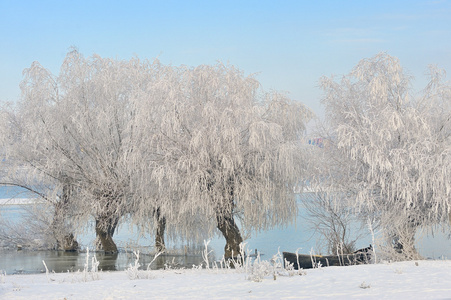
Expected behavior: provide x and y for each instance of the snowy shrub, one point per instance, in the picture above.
(133, 271)
(289, 267)
(205, 254)
(259, 269)
(240, 262)
(92, 273)
(172, 265)
(290, 270)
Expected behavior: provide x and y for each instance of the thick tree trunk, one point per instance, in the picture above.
(159, 237)
(65, 240)
(232, 234)
(105, 227)
(58, 227)
(68, 243)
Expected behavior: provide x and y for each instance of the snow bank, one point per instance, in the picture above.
(403, 280)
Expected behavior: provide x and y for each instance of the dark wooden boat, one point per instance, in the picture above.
(307, 261)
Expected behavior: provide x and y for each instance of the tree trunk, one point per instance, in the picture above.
(105, 227)
(69, 243)
(65, 240)
(159, 237)
(231, 233)
(404, 241)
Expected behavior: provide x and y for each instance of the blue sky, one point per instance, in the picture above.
(288, 44)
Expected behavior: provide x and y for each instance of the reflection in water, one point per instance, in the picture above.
(107, 262)
(28, 262)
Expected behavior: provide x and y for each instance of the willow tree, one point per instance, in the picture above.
(25, 164)
(386, 153)
(222, 150)
(75, 131)
(180, 150)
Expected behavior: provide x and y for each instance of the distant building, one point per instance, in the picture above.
(319, 142)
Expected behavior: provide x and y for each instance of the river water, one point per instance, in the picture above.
(284, 238)
(266, 243)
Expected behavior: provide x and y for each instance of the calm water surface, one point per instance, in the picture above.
(286, 238)
(29, 262)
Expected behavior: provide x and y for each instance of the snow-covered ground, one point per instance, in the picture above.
(424, 279)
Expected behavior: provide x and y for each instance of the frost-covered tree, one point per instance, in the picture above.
(220, 150)
(388, 151)
(23, 167)
(177, 151)
(74, 134)
(334, 220)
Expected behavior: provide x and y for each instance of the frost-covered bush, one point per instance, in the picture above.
(133, 271)
(93, 272)
(259, 269)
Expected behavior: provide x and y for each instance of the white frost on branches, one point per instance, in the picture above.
(180, 150)
(391, 151)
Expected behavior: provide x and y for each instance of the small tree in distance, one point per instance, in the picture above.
(334, 220)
